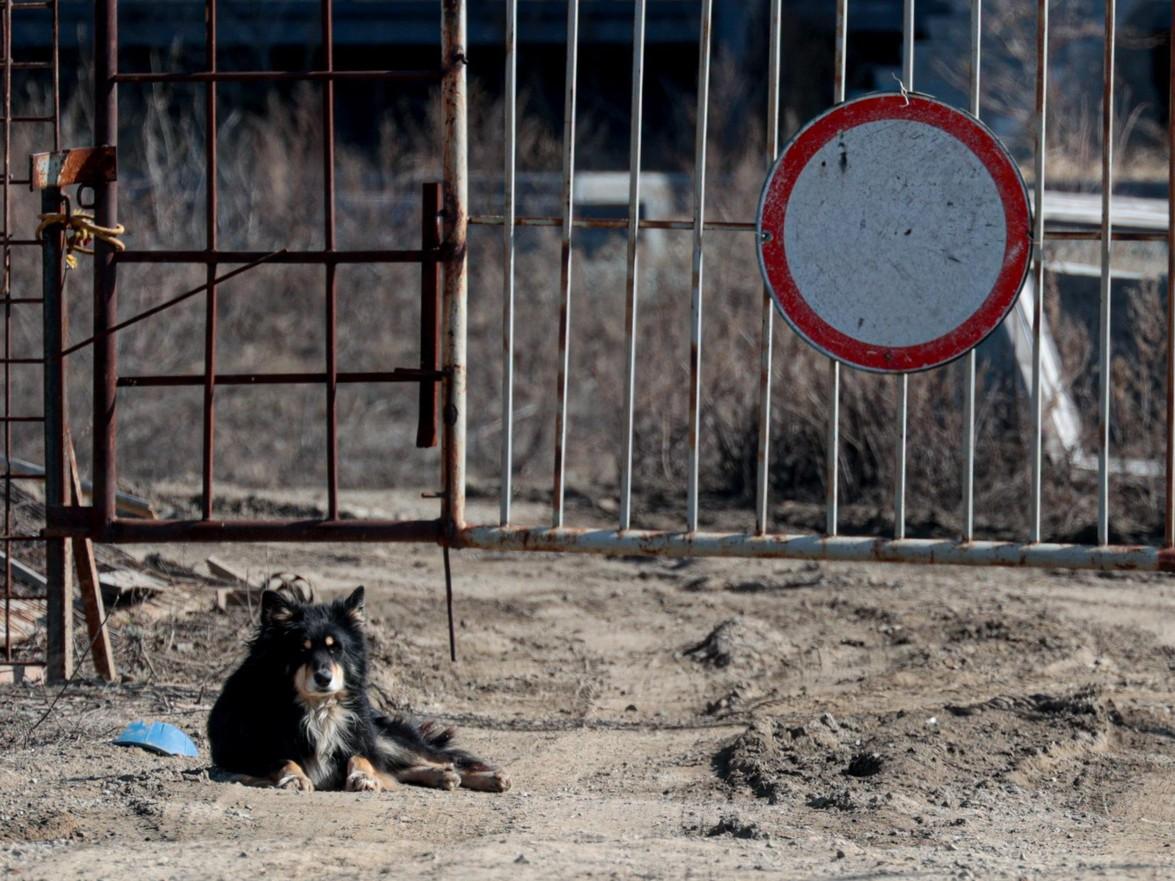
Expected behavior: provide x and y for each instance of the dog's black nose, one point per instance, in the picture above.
(323, 677)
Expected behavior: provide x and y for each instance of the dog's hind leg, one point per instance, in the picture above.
(436, 776)
(363, 777)
(484, 779)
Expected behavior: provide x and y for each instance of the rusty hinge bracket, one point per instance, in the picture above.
(77, 165)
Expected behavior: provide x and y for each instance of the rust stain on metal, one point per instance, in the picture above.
(79, 165)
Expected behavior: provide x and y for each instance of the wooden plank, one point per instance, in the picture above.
(222, 570)
(88, 584)
(129, 504)
(11, 674)
(24, 616)
(26, 575)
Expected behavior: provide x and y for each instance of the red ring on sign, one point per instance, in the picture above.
(790, 300)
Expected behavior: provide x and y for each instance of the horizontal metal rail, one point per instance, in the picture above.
(254, 76)
(1060, 233)
(131, 531)
(317, 258)
(174, 301)
(815, 547)
(401, 374)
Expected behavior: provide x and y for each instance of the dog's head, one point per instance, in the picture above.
(322, 643)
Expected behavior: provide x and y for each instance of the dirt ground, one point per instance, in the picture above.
(660, 719)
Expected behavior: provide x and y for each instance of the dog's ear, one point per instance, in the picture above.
(353, 605)
(276, 609)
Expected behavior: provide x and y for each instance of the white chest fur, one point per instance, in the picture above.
(327, 725)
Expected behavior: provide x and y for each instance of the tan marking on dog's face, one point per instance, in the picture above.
(307, 645)
(308, 689)
(330, 640)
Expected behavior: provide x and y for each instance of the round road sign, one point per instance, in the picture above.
(894, 232)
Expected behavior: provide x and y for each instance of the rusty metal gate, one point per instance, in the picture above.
(443, 255)
(27, 593)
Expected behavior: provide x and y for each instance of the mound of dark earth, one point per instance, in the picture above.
(946, 755)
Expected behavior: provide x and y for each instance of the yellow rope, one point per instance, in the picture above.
(81, 233)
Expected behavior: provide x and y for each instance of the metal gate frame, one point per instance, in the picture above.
(439, 251)
(55, 591)
(760, 542)
(447, 251)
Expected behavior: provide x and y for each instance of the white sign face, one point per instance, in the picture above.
(894, 233)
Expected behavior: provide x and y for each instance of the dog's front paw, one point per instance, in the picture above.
(359, 781)
(295, 783)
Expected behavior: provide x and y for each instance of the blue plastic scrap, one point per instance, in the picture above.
(158, 737)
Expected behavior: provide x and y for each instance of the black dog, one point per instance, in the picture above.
(296, 715)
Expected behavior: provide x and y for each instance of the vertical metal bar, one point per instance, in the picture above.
(1042, 49)
(328, 200)
(1169, 518)
(455, 160)
(695, 401)
(56, 49)
(899, 511)
(1103, 462)
(59, 612)
(210, 239)
(511, 102)
(832, 453)
(570, 87)
(449, 604)
(6, 269)
(908, 44)
(431, 208)
(631, 279)
(969, 379)
(766, 337)
(105, 466)
(899, 517)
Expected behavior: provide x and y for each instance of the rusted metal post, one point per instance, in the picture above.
(6, 269)
(211, 243)
(328, 210)
(1169, 518)
(455, 160)
(431, 208)
(105, 466)
(59, 617)
(510, 101)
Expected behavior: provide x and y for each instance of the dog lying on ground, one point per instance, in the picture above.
(296, 715)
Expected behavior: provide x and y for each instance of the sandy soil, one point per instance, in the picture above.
(660, 719)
